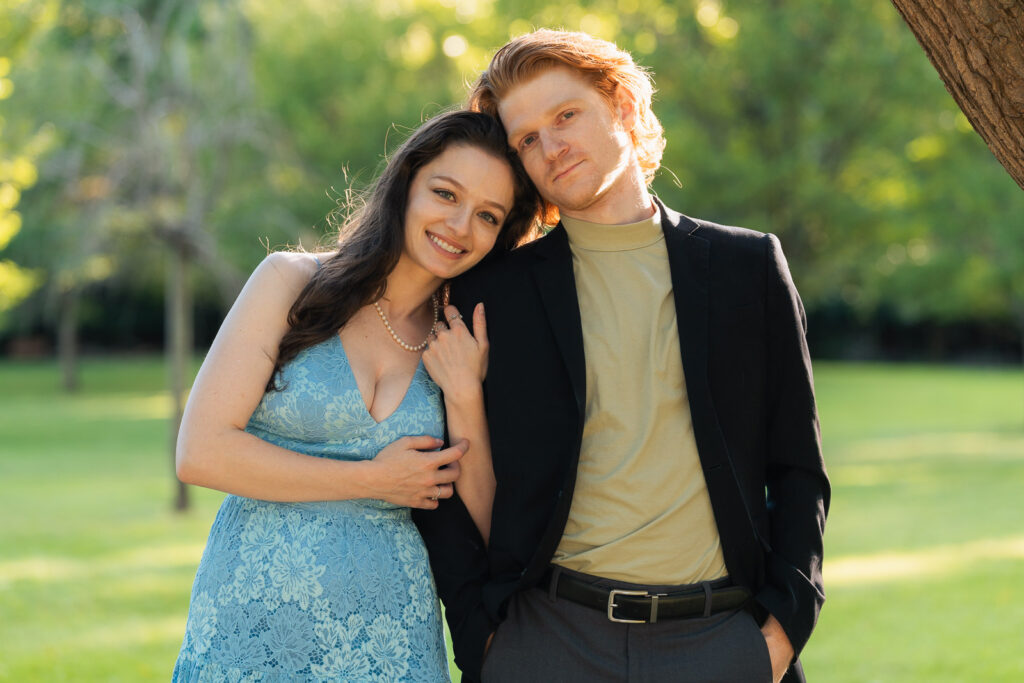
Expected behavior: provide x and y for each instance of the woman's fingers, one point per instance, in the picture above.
(480, 325)
(449, 474)
(454, 318)
(421, 443)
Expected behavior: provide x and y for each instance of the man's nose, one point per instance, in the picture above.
(552, 144)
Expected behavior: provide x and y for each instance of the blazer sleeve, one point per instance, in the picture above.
(459, 563)
(458, 559)
(798, 489)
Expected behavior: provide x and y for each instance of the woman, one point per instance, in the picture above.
(314, 410)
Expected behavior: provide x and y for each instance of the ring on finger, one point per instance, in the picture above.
(454, 317)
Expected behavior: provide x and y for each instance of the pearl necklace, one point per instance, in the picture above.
(394, 335)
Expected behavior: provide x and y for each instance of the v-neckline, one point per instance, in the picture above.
(362, 399)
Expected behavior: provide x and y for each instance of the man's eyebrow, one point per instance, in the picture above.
(460, 186)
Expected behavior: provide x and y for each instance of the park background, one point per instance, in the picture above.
(152, 151)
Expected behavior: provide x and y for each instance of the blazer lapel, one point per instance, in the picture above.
(557, 285)
(688, 258)
(689, 263)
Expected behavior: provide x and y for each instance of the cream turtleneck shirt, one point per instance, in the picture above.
(640, 511)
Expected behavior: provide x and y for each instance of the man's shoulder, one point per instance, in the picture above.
(718, 232)
(503, 270)
(504, 263)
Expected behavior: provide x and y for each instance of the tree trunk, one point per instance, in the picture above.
(977, 46)
(67, 339)
(179, 347)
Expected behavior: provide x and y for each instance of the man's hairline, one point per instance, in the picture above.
(545, 66)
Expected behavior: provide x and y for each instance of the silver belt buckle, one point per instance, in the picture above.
(612, 605)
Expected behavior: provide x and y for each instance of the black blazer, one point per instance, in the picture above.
(748, 379)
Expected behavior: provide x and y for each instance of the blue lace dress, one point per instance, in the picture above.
(328, 591)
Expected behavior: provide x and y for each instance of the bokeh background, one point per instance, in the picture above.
(151, 152)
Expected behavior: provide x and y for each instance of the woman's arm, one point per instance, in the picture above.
(215, 451)
(457, 361)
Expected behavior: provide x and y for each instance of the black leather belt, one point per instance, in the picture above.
(643, 607)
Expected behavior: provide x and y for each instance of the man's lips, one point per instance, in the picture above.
(566, 172)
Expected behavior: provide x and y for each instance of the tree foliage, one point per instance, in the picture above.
(819, 120)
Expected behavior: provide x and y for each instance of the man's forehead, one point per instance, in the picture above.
(542, 93)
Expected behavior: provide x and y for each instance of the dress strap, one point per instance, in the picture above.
(318, 264)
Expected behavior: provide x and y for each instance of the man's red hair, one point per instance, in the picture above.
(606, 66)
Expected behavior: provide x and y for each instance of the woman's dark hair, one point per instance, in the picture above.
(372, 236)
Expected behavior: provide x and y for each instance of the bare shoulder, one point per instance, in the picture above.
(290, 268)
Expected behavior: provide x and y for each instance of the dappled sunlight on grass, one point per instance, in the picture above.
(913, 566)
(126, 633)
(96, 570)
(128, 406)
(972, 445)
(42, 569)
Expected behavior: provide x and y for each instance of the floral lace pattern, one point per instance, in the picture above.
(328, 591)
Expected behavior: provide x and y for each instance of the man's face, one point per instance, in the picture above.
(574, 144)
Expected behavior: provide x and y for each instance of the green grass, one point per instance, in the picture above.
(925, 542)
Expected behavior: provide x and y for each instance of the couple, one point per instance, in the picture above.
(632, 487)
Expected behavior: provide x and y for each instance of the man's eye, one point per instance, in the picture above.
(568, 115)
(527, 141)
(446, 194)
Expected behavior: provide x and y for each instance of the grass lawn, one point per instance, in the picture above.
(925, 543)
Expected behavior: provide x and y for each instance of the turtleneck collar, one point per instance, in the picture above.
(602, 237)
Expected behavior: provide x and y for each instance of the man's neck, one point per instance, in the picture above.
(616, 215)
(629, 204)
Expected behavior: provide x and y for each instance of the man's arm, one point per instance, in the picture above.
(798, 490)
(459, 562)
(458, 557)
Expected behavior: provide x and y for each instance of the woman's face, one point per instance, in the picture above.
(457, 205)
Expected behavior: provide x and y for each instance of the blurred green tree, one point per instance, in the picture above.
(817, 120)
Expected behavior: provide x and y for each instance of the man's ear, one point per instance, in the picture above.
(625, 107)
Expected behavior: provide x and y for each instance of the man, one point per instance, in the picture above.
(661, 494)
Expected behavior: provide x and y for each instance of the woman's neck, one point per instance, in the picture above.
(409, 291)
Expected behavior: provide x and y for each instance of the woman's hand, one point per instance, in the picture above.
(456, 359)
(408, 473)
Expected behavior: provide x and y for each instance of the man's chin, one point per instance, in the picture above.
(571, 203)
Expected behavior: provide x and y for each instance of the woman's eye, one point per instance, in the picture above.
(446, 194)
(568, 115)
(489, 217)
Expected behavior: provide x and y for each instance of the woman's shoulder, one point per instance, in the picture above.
(293, 269)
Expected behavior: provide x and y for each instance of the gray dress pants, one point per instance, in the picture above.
(550, 639)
